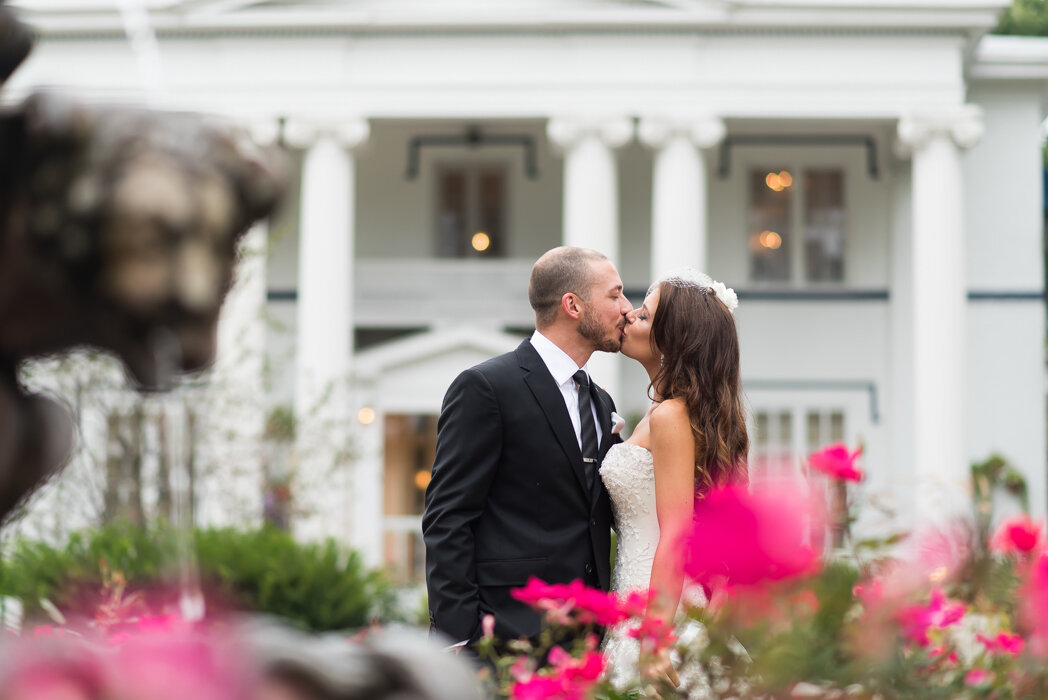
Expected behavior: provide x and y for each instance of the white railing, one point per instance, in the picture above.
(435, 292)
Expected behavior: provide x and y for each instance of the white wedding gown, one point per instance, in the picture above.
(628, 473)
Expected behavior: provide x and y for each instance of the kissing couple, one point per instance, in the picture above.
(531, 473)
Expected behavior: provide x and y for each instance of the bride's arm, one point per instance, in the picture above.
(673, 450)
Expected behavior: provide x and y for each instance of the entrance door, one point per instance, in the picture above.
(411, 441)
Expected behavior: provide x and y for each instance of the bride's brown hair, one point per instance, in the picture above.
(696, 335)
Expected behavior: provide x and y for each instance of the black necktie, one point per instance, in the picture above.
(589, 428)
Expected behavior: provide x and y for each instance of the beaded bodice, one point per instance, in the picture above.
(628, 473)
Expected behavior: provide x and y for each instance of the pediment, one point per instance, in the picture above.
(420, 350)
(412, 375)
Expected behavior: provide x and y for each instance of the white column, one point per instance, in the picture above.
(322, 484)
(231, 485)
(939, 301)
(591, 201)
(679, 211)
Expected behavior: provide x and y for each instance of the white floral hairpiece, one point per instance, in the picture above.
(690, 277)
(727, 296)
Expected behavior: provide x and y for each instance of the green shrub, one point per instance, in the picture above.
(318, 586)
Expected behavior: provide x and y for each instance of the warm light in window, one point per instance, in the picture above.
(481, 241)
(778, 181)
(770, 239)
(422, 478)
(366, 415)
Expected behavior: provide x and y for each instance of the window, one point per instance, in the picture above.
(777, 451)
(781, 203)
(471, 211)
(410, 446)
(772, 453)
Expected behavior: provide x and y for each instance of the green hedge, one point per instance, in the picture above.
(317, 586)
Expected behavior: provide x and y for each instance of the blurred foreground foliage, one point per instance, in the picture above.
(1025, 18)
(317, 586)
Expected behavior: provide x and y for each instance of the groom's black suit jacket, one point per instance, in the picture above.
(508, 498)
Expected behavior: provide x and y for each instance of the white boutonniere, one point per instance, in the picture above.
(617, 423)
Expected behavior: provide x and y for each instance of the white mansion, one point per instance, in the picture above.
(866, 174)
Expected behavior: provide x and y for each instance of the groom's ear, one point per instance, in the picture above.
(571, 305)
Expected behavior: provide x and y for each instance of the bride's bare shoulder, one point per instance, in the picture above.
(670, 415)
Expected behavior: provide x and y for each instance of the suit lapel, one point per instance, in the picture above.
(604, 413)
(549, 398)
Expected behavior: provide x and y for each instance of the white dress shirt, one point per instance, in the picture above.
(562, 367)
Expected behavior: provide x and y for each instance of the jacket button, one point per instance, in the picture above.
(593, 522)
(589, 568)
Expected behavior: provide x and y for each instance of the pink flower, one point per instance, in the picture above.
(748, 538)
(536, 688)
(869, 593)
(567, 678)
(978, 676)
(178, 665)
(48, 631)
(653, 634)
(569, 603)
(917, 620)
(1018, 535)
(487, 625)
(1011, 644)
(836, 462)
(939, 654)
(1034, 597)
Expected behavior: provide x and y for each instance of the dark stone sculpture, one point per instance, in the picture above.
(118, 229)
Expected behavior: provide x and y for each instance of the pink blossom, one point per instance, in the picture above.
(917, 620)
(1011, 644)
(49, 631)
(653, 634)
(178, 665)
(978, 676)
(52, 669)
(943, 653)
(536, 688)
(487, 626)
(1034, 596)
(869, 593)
(567, 603)
(567, 678)
(1018, 535)
(837, 462)
(748, 538)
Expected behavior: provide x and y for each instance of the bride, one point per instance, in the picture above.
(691, 439)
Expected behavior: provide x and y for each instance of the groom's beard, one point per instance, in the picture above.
(591, 329)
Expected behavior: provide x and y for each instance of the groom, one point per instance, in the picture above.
(515, 491)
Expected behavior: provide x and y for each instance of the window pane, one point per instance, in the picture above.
(785, 436)
(824, 225)
(837, 426)
(762, 429)
(814, 431)
(769, 224)
(451, 213)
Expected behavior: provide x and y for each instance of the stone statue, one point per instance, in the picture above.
(118, 229)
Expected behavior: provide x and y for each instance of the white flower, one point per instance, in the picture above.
(726, 295)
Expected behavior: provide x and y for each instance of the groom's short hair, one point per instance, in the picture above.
(557, 272)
